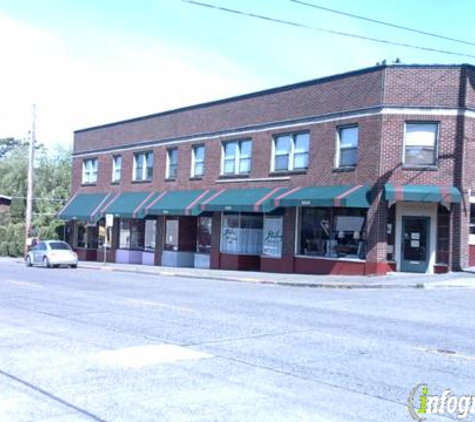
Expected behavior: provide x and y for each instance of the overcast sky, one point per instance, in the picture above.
(90, 62)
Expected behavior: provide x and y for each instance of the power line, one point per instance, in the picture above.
(364, 18)
(329, 31)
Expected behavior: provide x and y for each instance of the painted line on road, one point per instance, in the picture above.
(159, 305)
(24, 284)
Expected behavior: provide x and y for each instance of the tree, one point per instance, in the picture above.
(51, 190)
(7, 145)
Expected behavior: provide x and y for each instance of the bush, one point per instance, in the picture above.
(12, 239)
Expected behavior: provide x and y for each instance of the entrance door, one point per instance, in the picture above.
(415, 244)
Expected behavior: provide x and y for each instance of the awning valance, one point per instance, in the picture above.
(245, 200)
(84, 206)
(421, 193)
(355, 196)
(184, 202)
(129, 204)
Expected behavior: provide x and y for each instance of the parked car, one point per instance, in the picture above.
(51, 253)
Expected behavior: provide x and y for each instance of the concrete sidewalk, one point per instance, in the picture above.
(392, 280)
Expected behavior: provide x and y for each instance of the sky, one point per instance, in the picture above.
(87, 62)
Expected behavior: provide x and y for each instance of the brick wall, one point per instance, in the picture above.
(357, 90)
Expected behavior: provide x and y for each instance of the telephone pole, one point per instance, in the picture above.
(29, 194)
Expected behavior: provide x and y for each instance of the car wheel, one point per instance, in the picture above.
(74, 266)
(46, 263)
(28, 261)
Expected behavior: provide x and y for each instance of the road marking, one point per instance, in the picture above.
(138, 357)
(24, 284)
(159, 305)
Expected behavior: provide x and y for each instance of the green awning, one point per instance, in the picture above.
(422, 193)
(246, 200)
(180, 202)
(129, 204)
(355, 196)
(84, 206)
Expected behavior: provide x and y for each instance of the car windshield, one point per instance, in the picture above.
(59, 246)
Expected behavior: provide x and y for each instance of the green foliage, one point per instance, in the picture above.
(52, 183)
(7, 145)
(12, 239)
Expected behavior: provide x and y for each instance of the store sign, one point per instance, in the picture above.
(109, 220)
(273, 235)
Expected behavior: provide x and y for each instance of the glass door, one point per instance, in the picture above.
(415, 244)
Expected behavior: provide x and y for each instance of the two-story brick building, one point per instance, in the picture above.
(359, 173)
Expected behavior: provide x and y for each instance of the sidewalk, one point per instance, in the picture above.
(392, 280)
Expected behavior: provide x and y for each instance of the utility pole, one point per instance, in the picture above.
(29, 194)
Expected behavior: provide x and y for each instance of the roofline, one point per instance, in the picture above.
(6, 197)
(274, 91)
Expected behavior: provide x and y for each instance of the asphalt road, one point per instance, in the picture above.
(85, 345)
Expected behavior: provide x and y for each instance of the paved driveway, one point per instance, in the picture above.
(85, 345)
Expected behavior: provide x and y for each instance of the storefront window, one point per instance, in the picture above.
(472, 224)
(171, 234)
(87, 236)
(332, 232)
(203, 244)
(131, 234)
(150, 234)
(242, 233)
(443, 235)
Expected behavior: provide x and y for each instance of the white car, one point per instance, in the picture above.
(52, 253)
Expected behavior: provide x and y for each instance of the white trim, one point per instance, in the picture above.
(417, 209)
(338, 148)
(151, 143)
(254, 179)
(446, 112)
(193, 160)
(115, 168)
(237, 157)
(436, 142)
(89, 176)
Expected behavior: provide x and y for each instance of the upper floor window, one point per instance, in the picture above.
(116, 168)
(347, 149)
(143, 166)
(198, 161)
(172, 163)
(290, 152)
(420, 144)
(237, 157)
(89, 171)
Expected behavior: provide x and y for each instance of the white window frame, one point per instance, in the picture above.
(338, 163)
(292, 154)
(436, 143)
(142, 156)
(237, 157)
(169, 174)
(194, 161)
(89, 171)
(116, 169)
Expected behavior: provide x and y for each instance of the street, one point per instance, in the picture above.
(88, 345)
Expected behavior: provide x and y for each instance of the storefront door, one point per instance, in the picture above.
(415, 244)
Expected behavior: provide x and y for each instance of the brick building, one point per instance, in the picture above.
(360, 173)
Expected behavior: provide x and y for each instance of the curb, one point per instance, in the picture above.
(258, 281)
